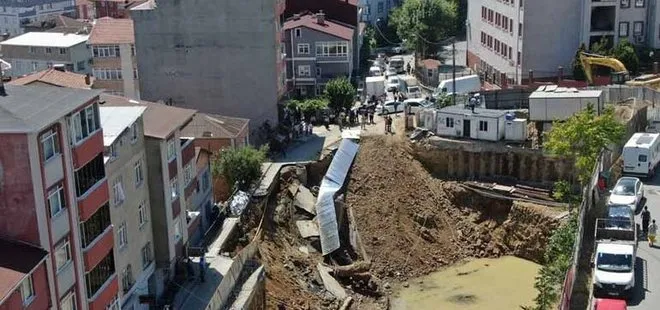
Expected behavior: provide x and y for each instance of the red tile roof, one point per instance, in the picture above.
(16, 262)
(431, 63)
(329, 27)
(205, 125)
(55, 78)
(109, 30)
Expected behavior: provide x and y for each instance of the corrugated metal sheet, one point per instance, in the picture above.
(332, 182)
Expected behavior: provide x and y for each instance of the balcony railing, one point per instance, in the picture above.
(95, 226)
(90, 174)
(96, 278)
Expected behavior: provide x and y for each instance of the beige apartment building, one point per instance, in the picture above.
(112, 42)
(126, 167)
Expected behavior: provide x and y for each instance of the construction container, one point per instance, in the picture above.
(515, 130)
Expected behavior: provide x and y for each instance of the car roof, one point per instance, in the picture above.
(415, 100)
(610, 304)
(614, 248)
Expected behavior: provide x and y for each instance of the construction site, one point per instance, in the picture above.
(395, 222)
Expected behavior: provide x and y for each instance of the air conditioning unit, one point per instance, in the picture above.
(639, 39)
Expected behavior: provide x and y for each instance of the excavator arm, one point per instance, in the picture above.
(589, 60)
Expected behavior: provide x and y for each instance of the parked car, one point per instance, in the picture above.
(393, 83)
(389, 107)
(610, 304)
(414, 92)
(416, 104)
(620, 217)
(390, 72)
(628, 191)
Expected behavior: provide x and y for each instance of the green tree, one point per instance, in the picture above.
(308, 107)
(601, 47)
(368, 44)
(340, 93)
(422, 24)
(582, 137)
(239, 166)
(578, 70)
(625, 52)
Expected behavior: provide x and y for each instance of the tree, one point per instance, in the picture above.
(583, 136)
(422, 24)
(240, 166)
(578, 70)
(601, 47)
(368, 44)
(625, 52)
(340, 93)
(308, 107)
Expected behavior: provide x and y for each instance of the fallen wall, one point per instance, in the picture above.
(478, 160)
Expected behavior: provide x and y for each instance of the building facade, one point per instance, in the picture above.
(36, 51)
(114, 64)
(216, 58)
(377, 9)
(634, 20)
(56, 196)
(23, 276)
(17, 14)
(317, 50)
(126, 165)
(115, 8)
(170, 167)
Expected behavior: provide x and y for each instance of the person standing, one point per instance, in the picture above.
(363, 121)
(653, 231)
(370, 114)
(646, 217)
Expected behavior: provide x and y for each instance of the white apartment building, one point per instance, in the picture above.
(635, 20)
(15, 14)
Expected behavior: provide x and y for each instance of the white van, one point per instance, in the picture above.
(641, 154)
(464, 85)
(397, 63)
(375, 71)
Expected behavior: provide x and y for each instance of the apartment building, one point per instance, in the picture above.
(17, 14)
(114, 64)
(115, 8)
(126, 165)
(36, 51)
(59, 23)
(170, 173)
(23, 276)
(317, 50)
(377, 9)
(635, 20)
(507, 38)
(54, 194)
(215, 57)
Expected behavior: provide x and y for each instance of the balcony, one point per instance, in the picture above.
(102, 284)
(53, 170)
(89, 203)
(176, 207)
(87, 149)
(96, 237)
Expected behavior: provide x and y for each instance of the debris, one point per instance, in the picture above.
(331, 285)
(350, 270)
(347, 303)
(305, 200)
(308, 228)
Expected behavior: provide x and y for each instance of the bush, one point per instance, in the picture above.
(240, 166)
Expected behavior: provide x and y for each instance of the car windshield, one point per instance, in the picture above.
(620, 217)
(614, 262)
(413, 89)
(624, 188)
(394, 81)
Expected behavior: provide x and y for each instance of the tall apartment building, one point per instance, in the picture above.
(114, 64)
(54, 195)
(17, 14)
(216, 57)
(638, 21)
(507, 38)
(170, 162)
(126, 166)
(36, 51)
(23, 276)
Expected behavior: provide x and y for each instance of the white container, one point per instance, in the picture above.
(515, 130)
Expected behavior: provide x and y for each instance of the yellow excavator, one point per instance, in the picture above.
(620, 74)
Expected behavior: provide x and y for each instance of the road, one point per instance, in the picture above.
(647, 277)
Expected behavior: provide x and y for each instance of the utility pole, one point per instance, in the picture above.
(453, 71)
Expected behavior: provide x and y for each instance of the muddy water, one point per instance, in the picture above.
(481, 284)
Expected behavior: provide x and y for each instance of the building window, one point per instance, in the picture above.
(63, 255)
(449, 122)
(27, 290)
(95, 279)
(332, 49)
(56, 200)
(107, 74)
(69, 301)
(483, 126)
(171, 150)
(177, 230)
(118, 191)
(49, 144)
(49, 50)
(511, 26)
(105, 51)
(35, 65)
(127, 278)
(146, 255)
(510, 53)
(639, 3)
(318, 72)
(519, 58)
(122, 235)
(139, 177)
(84, 123)
(62, 51)
(95, 225)
(638, 28)
(134, 132)
(206, 181)
(304, 70)
(188, 174)
(625, 3)
(32, 50)
(298, 32)
(89, 175)
(520, 29)
(381, 7)
(623, 29)
(135, 74)
(174, 189)
(142, 214)
(132, 49)
(303, 48)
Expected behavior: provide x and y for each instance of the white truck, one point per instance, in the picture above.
(641, 154)
(464, 85)
(614, 258)
(375, 86)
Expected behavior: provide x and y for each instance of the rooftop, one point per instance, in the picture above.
(16, 262)
(47, 39)
(553, 91)
(112, 31)
(431, 63)
(55, 78)
(159, 120)
(29, 108)
(329, 27)
(60, 23)
(215, 126)
(114, 120)
(461, 110)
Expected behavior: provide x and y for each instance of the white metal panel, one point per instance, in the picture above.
(537, 109)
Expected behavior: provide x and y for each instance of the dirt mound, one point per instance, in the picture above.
(412, 224)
